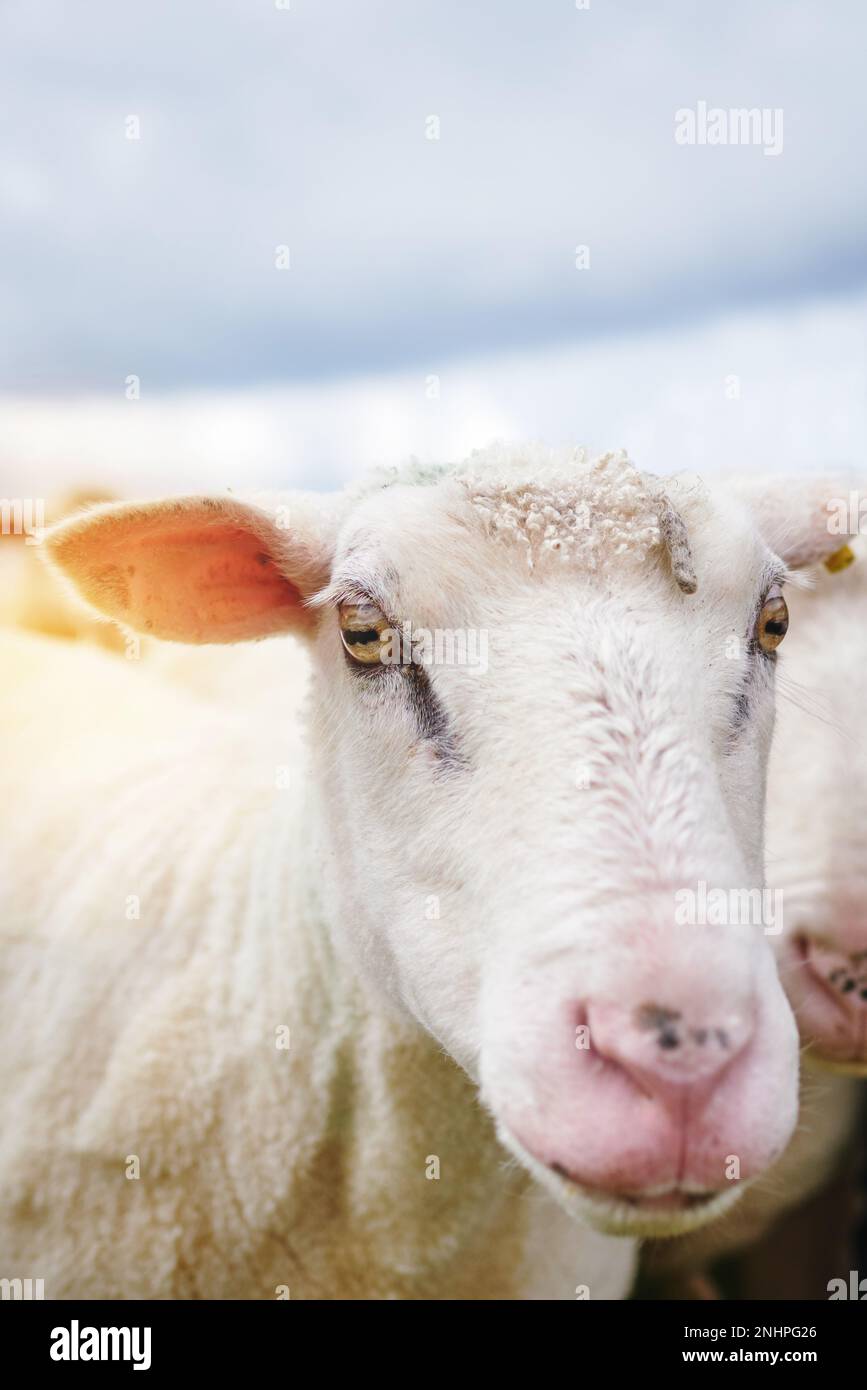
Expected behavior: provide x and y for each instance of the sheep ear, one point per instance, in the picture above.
(804, 519)
(197, 569)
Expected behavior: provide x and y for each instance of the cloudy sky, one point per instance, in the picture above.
(432, 297)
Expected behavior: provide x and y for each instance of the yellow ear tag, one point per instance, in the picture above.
(840, 560)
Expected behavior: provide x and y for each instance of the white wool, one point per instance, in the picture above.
(587, 516)
(155, 1037)
(556, 504)
(285, 883)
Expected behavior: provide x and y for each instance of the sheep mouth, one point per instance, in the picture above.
(649, 1215)
(671, 1201)
(671, 1211)
(675, 1200)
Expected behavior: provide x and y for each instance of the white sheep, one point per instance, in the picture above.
(817, 860)
(256, 984)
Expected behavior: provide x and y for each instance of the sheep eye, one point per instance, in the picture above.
(773, 623)
(364, 631)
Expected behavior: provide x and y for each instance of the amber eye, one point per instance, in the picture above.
(773, 623)
(364, 632)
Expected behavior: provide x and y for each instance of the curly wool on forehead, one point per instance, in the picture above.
(561, 506)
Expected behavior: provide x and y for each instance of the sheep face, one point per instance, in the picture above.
(533, 778)
(543, 701)
(817, 811)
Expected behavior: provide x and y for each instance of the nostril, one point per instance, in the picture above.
(666, 1024)
(664, 1053)
(842, 977)
(672, 1031)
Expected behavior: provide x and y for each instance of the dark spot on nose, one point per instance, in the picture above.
(722, 1037)
(668, 1039)
(848, 986)
(652, 1017)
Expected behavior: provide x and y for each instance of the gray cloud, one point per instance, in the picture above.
(306, 127)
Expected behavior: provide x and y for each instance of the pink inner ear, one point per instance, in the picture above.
(213, 582)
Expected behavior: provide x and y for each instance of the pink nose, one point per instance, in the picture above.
(832, 1008)
(654, 1097)
(670, 1057)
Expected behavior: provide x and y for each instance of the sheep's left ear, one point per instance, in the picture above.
(805, 518)
(199, 569)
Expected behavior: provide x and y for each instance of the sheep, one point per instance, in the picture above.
(278, 1020)
(816, 857)
(817, 812)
